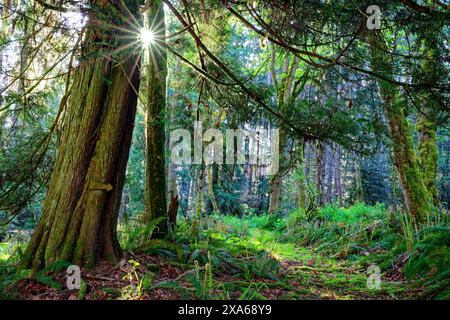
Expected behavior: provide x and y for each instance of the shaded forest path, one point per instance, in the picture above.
(315, 276)
(254, 266)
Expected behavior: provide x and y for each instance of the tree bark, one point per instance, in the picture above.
(337, 190)
(329, 173)
(428, 154)
(213, 172)
(405, 160)
(359, 196)
(156, 183)
(80, 212)
(172, 189)
(123, 210)
(427, 128)
(283, 90)
(320, 172)
(275, 182)
(301, 176)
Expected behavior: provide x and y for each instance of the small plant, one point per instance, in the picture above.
(136, 236)
(252, 292)
(203, 281)
(133, 276)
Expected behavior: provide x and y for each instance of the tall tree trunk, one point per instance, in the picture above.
(213, 172)
(123, 211)
(427, 128)
(248, 173)
(259, 185)
(445, 194)
(275, 182)
(2, 118)
(329, 173)
(428, 154)
(337, 190)
(405, 160)
(308, 161)
(301, 176)
(201, 198)
(172, 189)
(156, 184)
(21, 104)
(320, 172)
(283, 90)
(80, 212)
(192, 194)
(309, 181)
(359, 196)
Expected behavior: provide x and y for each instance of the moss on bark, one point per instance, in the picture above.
(156, 181)
(427, 128)
(405, 160)
(79, 217)
(283, 89)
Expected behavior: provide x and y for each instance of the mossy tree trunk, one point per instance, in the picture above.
(426, 126)
(405, 160)
(329, 173)
(320, 172)
(301, 176)
(80, 212)
(285, 96)
(359, 195)
(156, 181)
(213, 179)
(337, 183)
(428, 154)
(172, 187)
(276, 181)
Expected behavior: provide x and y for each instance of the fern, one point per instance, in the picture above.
(48, 281)
(430, 262)
(43, 277)
(138, 236)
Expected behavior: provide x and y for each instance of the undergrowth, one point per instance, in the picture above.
(292, 256)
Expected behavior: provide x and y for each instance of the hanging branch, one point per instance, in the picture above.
(276, 39)
(255, 97)
(60, 8)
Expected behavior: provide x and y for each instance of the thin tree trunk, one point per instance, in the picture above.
(301, 176)
(172, 190)
(359, 196)
(320, 172)
(329, 174)
(123, 211)
(275, 183)
(192, 194)
(212, 182)
(338, 176)
(24, 53)
(156, 183)
(2, 118)
(249, 174)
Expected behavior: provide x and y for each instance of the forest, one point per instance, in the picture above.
(224, 150)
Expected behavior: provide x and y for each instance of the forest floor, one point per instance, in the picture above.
(226, 264)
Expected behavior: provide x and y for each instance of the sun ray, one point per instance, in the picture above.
(147, 37)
